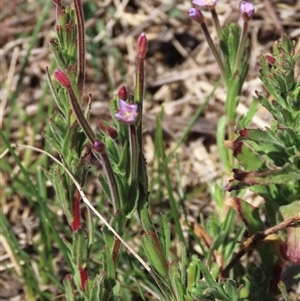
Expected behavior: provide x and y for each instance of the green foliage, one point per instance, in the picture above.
(208, 288)
(100, 269)
(270, 162)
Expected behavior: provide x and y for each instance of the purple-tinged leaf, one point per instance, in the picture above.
(248, 213)
(242, 179)
(293, 232)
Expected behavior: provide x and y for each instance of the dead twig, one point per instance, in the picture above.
(257, 239)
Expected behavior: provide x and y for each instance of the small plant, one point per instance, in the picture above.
(119, 150)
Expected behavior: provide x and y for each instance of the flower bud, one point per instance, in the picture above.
(123, 93)
(270, 59)
(196, 15)
(105, 128)
(112, 132)
(246, 10)
(98, 146)
(102, 125)
(62, 78)
(142, 45)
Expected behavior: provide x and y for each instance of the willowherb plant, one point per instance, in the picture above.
(119, 150)
(271, 155)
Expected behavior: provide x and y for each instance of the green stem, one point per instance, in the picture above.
(133, 155)
(79, 116)
(110, 176)
(139, 95)
(217, 23)
(241, 47)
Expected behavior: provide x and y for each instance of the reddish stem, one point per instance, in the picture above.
(83, 277)
(81, 46)
(76, 212)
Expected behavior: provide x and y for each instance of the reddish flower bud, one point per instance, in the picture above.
(112, 132)
(98, 146)
(142, 45)
(105, 128)
(62, 78)
(123, 93)
(270, 59)
(102, 126)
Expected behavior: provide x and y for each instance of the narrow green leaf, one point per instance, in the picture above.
(208, 277)
(109, 268)
(68, 289)
(174, 210)
(217, 291)
(176, 284)
(68, 147)
(184, 260)
(193, 273)
(59, 184)
(104, 185)
(80, 251)
(280, 176)
(166, 228)
(231, 290)
(224, 153)
(155, 254)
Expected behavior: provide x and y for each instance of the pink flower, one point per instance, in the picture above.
(127, 112)
(205, 3)
(246, 10)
